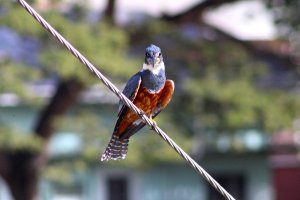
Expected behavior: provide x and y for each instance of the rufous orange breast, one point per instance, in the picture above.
(145, 101)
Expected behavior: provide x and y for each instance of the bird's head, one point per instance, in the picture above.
(153, 59)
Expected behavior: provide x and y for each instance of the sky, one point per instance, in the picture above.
(248, 20)
(245, 20)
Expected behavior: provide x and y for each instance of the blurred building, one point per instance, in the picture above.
(248, 165)
(246, 174)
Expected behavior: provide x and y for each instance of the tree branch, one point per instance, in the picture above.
(109, 12)
(194, 14)
(66, 95)
(268, 55)
(21, 169)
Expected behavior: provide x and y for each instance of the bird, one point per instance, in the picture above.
(150, 91)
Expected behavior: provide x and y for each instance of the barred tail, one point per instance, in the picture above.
(116, 149)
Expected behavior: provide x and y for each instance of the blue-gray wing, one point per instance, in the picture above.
(130, 90)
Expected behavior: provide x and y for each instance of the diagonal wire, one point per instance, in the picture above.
(126, 101)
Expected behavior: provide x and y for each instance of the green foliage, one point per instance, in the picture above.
(63, 172)
(236, 104)
(93, 134)
(12, 139)
(149, 31)
(102, 44)
(18, 19)
(224, 95)
(287, 20)
(145, 149)
(89, 127)
(14, 78)
(286, 15)
(216, 85)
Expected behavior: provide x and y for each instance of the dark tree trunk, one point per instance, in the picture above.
(22, 176)
(66, 95)
(21, 169)
(109, 12)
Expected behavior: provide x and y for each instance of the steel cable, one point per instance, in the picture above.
(125, 100)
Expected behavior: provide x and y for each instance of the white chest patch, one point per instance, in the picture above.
(155, 70)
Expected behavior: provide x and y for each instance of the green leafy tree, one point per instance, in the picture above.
(220, 83)
(101, 43)
(286, 18)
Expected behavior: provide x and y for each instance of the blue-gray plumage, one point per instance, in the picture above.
(149, 91)
(151, 52)
(130, 90)
(153, 82)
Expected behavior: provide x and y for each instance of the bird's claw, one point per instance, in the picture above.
(141, 113)
(154, 123)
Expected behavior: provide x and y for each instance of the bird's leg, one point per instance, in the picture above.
(154, 122)
(142, 113)
(150, 117)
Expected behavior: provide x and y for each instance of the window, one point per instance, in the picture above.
(73, 192)
(234, 184)
(117, 188)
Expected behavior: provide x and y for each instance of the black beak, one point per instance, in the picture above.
(152, 61)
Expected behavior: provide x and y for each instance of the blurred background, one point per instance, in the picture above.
(235, 110)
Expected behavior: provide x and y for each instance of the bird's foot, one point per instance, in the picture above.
(154, 123)
(142, 113)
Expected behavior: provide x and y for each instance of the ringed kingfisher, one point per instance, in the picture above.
(150, 91)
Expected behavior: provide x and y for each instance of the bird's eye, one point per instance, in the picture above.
(159, 54)
(147, 55)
